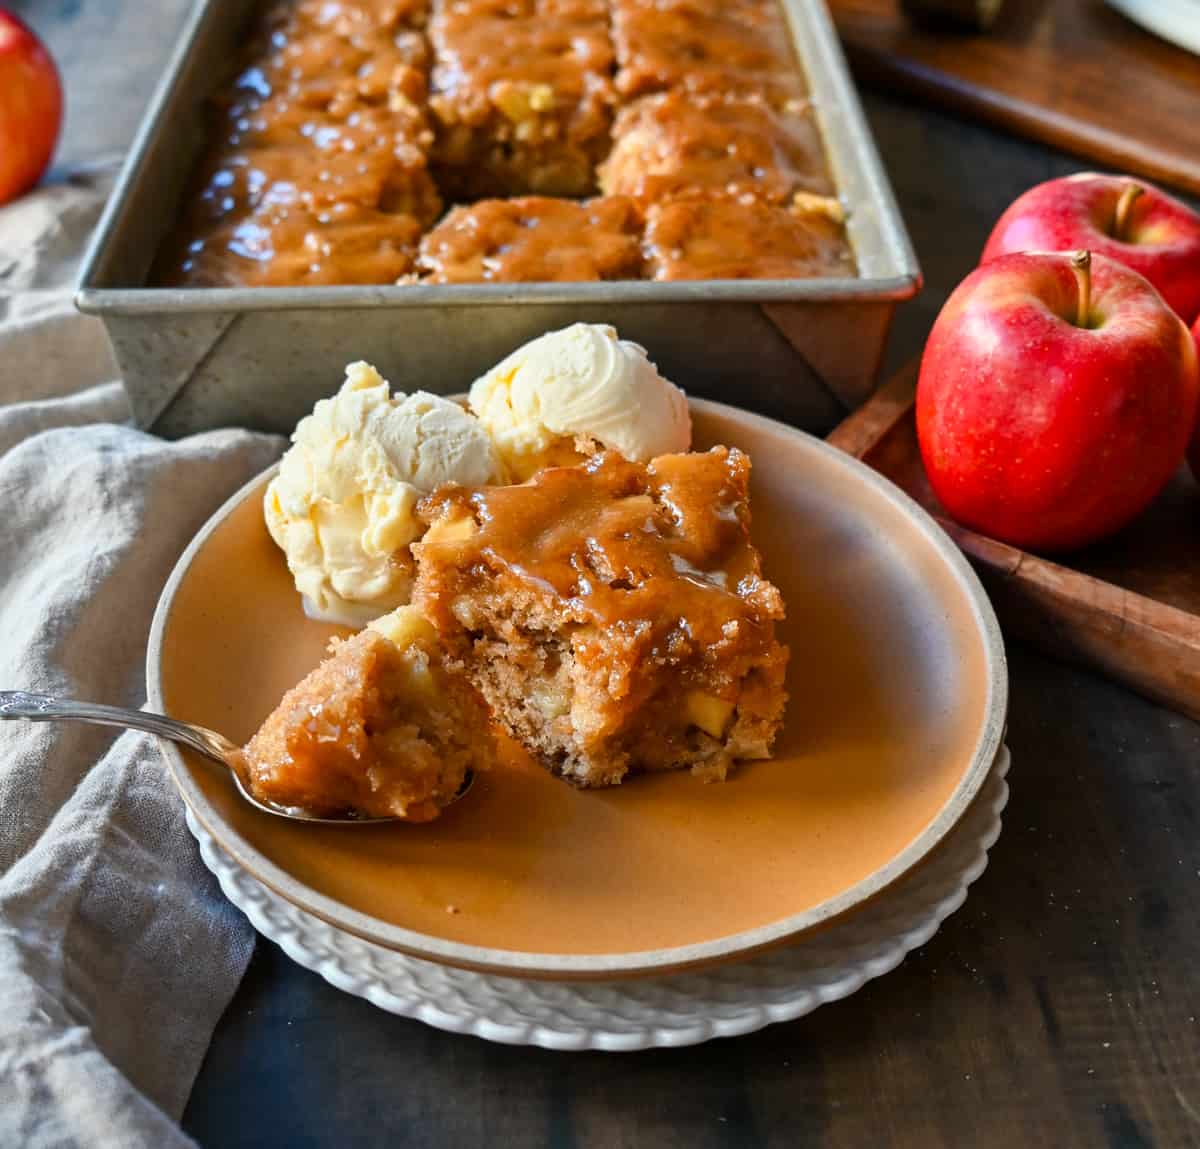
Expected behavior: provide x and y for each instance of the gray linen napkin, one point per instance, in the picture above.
(117, 951)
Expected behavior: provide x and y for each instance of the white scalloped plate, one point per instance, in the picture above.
(780, 984)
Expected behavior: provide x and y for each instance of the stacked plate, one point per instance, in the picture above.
(780, 984)
(662, 912)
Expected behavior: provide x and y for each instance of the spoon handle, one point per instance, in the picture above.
(43, 708)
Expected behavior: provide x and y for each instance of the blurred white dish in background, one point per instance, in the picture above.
(1175, 20)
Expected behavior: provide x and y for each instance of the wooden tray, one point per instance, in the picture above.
(1073, 73)
(1129, 607)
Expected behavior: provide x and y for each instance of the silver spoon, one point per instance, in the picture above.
(19, 704)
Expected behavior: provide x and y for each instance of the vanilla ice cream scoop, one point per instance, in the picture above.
(343, 505)
(579, 383)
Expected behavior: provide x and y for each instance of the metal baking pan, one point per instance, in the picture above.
(799, 350)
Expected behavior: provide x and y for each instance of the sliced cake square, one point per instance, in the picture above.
(679, 143)
(325, 132)
(729, 46)
(522, 95)
(614, 615)
(282, 245)
(534, 239)
(724, 238)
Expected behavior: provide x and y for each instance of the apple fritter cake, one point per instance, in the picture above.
(717, 237)
(522, 95)
(534, 239)
(677, 144)
(614, 615)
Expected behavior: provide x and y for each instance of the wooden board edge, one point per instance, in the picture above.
(1064, 584)
(1150, 646)
(1088, 141)
(861, 430)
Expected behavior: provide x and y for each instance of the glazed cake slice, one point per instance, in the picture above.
(284, 152)
(384, 727)
(678, 143)
(729, 46)
(534, 239)
(614, 615)
(719, 237)
(324, 130)
(320, 62)
(522, 95)
(285, 244)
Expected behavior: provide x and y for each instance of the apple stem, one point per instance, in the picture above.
(1129, 197)
(1081, 264)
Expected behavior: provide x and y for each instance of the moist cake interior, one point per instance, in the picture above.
(613, 615)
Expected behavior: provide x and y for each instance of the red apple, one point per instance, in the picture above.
(30, 108)
(1056, 398)
(1194, 449)
(1125, 219)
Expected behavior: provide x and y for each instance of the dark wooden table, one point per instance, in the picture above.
(1060, 1006)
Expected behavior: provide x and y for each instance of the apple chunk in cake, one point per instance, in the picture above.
(521, 95)
(384, 727)
(614, 615)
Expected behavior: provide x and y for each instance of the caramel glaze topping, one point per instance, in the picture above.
(322, 62)
(659, 556)
(346, 16)
(288, 245)
(333, 153)
(728, 46)
(357, 159)
(524, 61)
(534, 239)
(678, 143)
(717, 238)
(320, 173)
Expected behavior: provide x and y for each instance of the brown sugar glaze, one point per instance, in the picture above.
(534, 239)
(318, 174)
(678, 143)
(487, 48)
(352, 120)
(717, 238)
(288, 246)
(660, 553)
(731, 46)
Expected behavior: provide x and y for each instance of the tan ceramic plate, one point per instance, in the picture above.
(898, 695)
